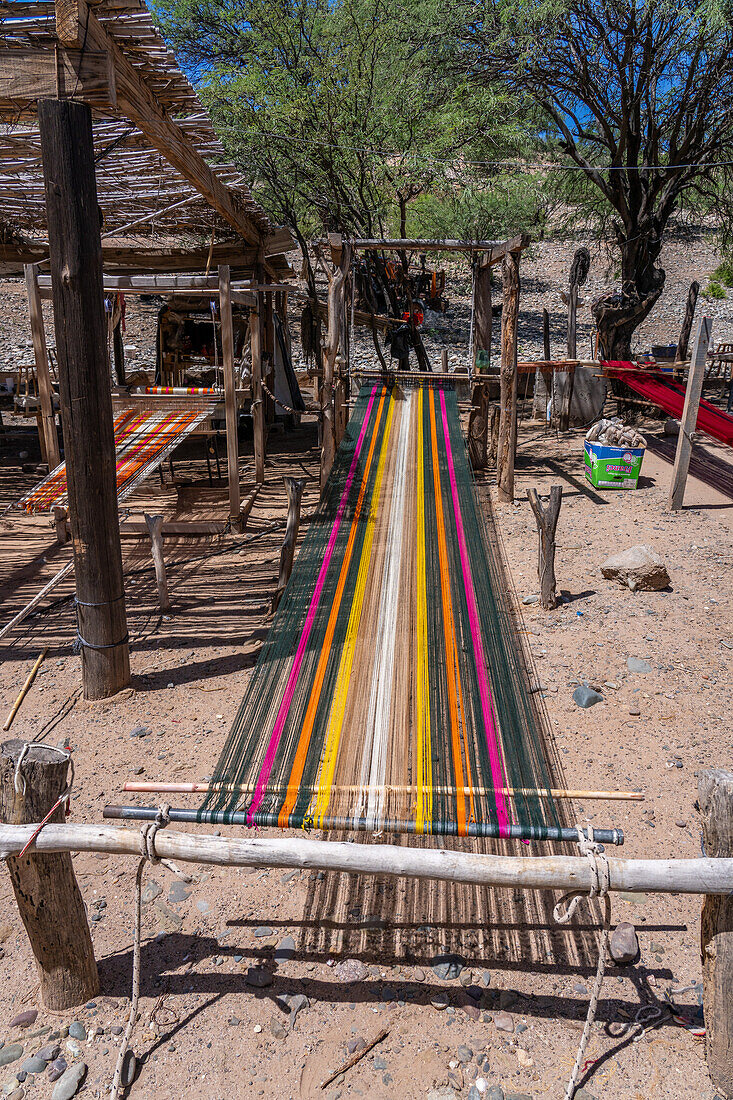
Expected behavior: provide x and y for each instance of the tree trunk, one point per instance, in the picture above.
(618, 315)
(546, 527)
(684, 340)
(45, 887)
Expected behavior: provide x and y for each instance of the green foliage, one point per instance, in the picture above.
(723, 273)
(507, 204)
(715, 290)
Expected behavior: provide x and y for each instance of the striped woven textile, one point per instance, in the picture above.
(144, 437)
(392, 691)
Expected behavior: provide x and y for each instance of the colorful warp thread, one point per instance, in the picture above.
(670, 396)
(392, 692)
(144, 437)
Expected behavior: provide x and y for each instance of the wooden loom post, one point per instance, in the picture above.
(508, 413)
(118, 353)
(48, 437)
(258, 410)
(578, 275)
(478, 423)
(693, 394)
(44, 884)
(155, 528)
(268, 356)
(684, 340)
(715, 797)
(336, 301)
(76, 276)
(230, 394)
(294, 487)
(546, 527)
(543, 377)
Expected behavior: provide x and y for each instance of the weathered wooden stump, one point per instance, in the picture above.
(45, 887)
(715, 796)
(294, 487)
(546, 527)
(155, 529)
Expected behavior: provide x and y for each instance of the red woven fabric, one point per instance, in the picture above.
(670, 396)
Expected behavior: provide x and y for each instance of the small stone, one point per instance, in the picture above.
(68, 1084)
(624, 946)
(439, 1002)
(379, 1063)
(50, 1052)
(289, 876)
(580, 988)
(474, 992)
(262, 932)
(351, 970)
(503, 1021)
(34, 1064)
(11, 1085)
(355, 1045)
(117, 1029)
(278, 1028)
(25, 1019)
(418, 974)
(495, 1093)
(681, 824)
(77, 1030)
(586, 697)
(447, 967)
(464, 1054)
(297, 1002)
(10, 1053)
(17, 1094)
(635, 711)
(203, 906)
(73, 1048)
(129, 1069)
(473, 1093)
(179, 891)
(639, 567)
(285, 950)
(151, 891)
(486, 978)
(517, 1096)
(524, 1058)
(56, 1069)
(258, 977)
(638, 664)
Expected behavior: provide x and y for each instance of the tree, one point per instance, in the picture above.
(637, 95)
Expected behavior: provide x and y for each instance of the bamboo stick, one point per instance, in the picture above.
(553, 872)
(25, 689)
(245, 788)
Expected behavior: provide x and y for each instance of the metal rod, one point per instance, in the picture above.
(446, 828)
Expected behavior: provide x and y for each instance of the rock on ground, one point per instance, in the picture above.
(624, 944)
(639, 567)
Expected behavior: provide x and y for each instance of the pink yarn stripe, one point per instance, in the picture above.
(492, 742)
(309, 620)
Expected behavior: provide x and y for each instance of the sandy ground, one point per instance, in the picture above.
(205, 1029)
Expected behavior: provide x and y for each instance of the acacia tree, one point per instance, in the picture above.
(638, 95)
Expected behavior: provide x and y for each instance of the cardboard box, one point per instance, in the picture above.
(613, 467)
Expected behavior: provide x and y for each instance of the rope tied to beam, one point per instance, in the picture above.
(563, 913)
(148, 854)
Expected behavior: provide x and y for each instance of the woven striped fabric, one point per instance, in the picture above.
(392, 691)
(144, 437)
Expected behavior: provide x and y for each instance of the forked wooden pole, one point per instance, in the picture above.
(155, 528)
(546, 527)
(294, 487)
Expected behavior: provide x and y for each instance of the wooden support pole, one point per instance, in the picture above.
(494, 416)
(508, 412)
(546, 526)
(268, 358)
(49, 439)
(230, 394)
(86, 404)
(543, 378)
(715, 798)
(118, 353)
(155, 529)
(695, 380)
(482, 313)
(340, 407)
(61, 524)
(684, 340)
(44, 884)
(294, 487)
(551, 872)
(336, 305)
(258, 409)
(578, 275)
(478, 421)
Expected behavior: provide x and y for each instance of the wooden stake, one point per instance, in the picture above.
(258, 409)
(294, 487)
(508, 414)
(336, 299)
(25, 689)
(695, 380)
(684, 340)
(356, 1057)
(715, 796)
(340, 406)
(81, 330)
(49, 438)
(155, 528)
(478, 421)
(546, 526)
(230, 395)
(61, 524)
(45, 887)
(543, 377)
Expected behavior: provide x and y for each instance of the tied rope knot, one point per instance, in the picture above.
(600, 885)
(21, 787)
(148, 833)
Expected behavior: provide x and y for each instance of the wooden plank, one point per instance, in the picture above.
(86, 403)
(79, 26)
(66, 72)
(715, 797)
(496, 249)
(50, 440)
(695, 380)
(230, 395)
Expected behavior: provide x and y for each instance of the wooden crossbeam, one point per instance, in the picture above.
(40, 73)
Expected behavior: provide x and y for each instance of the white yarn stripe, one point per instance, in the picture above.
(377, 727)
